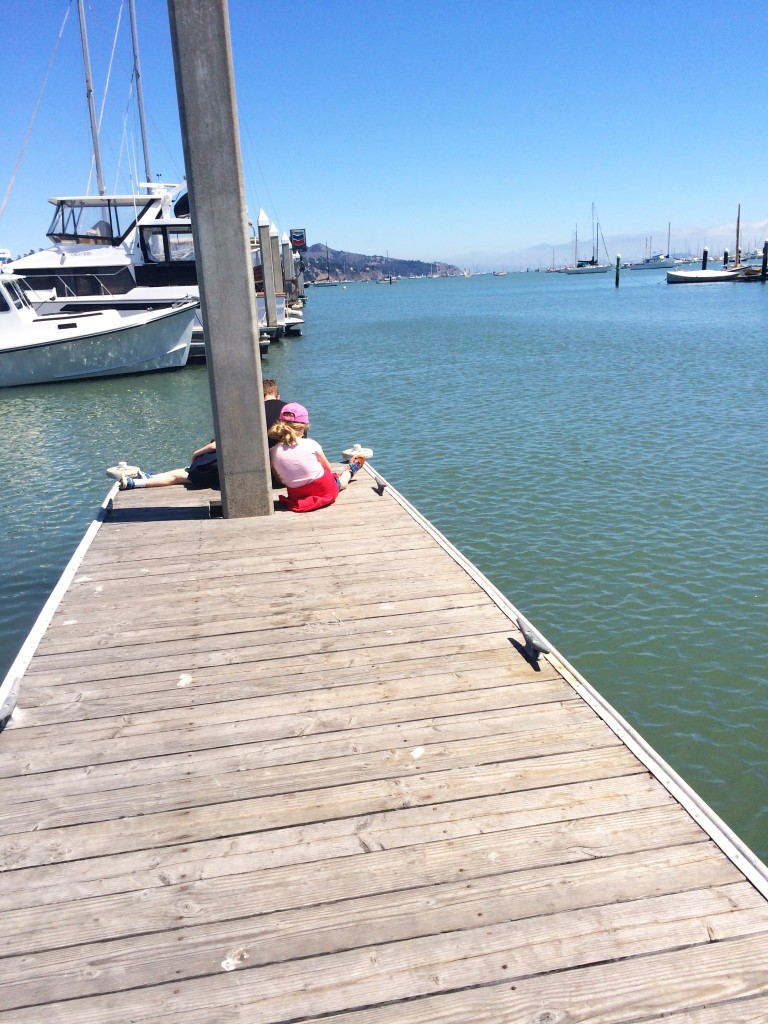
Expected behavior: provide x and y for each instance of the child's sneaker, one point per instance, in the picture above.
(356, 464)
(126, 482)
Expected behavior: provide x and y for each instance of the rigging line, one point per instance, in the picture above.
(34, 113)
(160, 132)
(123, 137)
(274, 216)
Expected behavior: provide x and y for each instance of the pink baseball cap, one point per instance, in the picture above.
(294, 413)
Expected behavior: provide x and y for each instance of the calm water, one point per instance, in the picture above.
(600, 454)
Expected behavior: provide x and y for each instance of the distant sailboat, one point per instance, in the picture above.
(389, 278)
(327, 282)
(656, 261)
(587, 266)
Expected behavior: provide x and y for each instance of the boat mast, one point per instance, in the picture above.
(594, 238)
(139, 91)
(89, 94)
(669, 228)
(738, 228)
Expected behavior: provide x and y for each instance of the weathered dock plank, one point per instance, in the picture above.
(298, 769)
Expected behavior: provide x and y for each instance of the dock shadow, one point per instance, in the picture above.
(525, 653)
(157, 514)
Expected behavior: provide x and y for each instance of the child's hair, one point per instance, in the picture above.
(269, 387)
(288, 433)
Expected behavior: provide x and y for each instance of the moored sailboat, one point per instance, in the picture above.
(711, 275)
(131, 253)
(591, 266)
(326, 282)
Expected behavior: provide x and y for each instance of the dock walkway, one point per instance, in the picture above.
(299, 769)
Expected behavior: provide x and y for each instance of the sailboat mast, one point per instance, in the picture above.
(738, 229)
(139, 91)
(669, 228)
(89, 94)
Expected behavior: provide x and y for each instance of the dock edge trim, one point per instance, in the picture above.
(734, 848)
(9, 688)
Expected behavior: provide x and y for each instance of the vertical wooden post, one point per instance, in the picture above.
(725, 260)
(618, 268)
(205, 86)
(267, 268)
(764, 267)
(704, 258)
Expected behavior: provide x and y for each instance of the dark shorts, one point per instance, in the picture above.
(204, 472)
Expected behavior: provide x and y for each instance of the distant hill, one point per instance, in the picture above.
(353, 266)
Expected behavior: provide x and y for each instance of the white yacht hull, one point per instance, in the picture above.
(102, 344)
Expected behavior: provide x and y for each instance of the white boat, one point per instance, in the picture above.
(655, 262)
(708, 276)
(587, 268)
(131, 252)
(40, 349)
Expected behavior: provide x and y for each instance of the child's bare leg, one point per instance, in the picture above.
(171, 476)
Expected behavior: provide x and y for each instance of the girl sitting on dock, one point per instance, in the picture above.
(301, 465)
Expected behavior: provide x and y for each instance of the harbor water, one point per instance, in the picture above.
(601, 454)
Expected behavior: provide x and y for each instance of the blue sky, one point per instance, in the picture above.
(478, 132)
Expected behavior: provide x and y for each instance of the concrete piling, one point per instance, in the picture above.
(202, 58)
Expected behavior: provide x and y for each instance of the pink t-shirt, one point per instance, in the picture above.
(297, 464)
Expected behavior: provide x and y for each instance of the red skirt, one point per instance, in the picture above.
(317, 494)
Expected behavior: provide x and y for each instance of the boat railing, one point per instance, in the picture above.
(79, 284)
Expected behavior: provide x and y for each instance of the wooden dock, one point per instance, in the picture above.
(298, 769)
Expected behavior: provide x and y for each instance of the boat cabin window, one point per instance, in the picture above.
(106, 223)
(168, 244)
(72, 281)
(14, 293)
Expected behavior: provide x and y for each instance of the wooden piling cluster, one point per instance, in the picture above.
(298, 768)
